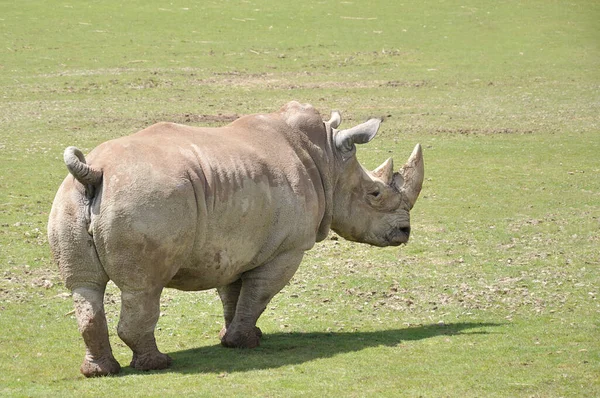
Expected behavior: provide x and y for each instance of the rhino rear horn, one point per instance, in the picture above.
(335, 120)
(385, 172)
(345, 139)
(410, 178)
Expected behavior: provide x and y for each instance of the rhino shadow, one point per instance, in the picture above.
(280, 349)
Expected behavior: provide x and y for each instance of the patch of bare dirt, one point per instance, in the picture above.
(481, 131)
(297, 81)
(23, 284)
(193, 118)
(398, 83)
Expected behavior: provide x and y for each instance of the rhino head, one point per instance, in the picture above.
(372, 206)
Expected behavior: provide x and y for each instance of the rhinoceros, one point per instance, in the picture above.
(232, 208)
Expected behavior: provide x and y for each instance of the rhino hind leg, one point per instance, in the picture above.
(229, 295)
(139, 314)
(89, 309)
(257, 289)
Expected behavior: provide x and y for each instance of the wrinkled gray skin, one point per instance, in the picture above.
(232, 208)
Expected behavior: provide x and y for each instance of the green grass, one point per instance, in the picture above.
(495, 295)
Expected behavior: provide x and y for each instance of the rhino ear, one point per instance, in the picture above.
(335, 120)
(345, 139)
(385, 172)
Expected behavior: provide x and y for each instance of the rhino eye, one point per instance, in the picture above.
(375, 193)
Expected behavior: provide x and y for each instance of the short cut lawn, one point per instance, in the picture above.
(496, 294)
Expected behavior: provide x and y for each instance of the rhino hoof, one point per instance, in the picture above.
(223, 331)
(249, 339)
(100, 367)
(151, 361)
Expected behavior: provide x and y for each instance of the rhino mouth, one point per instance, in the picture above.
(399, 236)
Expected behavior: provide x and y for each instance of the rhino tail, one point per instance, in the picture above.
(84, 173)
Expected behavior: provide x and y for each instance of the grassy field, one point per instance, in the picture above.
(495, 295)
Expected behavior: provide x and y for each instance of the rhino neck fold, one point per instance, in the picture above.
(328, 179)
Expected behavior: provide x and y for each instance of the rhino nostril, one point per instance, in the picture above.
(405, 230)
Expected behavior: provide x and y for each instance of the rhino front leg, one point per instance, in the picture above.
(89, 310)
(229, 297)
(258, 288)
(139, 314)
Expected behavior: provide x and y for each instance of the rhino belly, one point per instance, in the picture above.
(210, 269)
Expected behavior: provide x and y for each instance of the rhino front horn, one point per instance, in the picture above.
(412, 174)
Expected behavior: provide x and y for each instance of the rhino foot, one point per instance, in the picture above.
(241, 339)
(100, 367)
(151, 361)
(257, 330)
